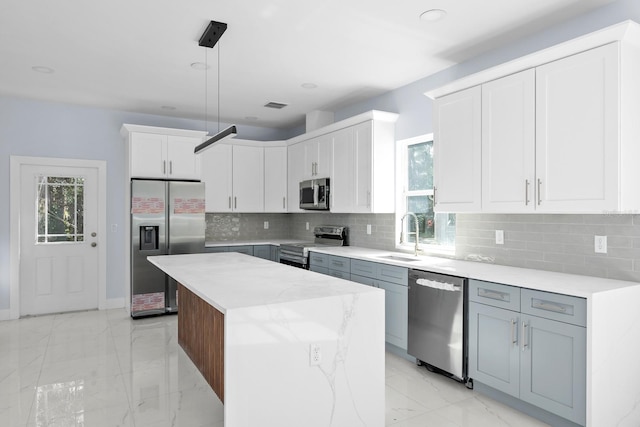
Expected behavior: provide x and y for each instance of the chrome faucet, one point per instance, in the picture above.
(416, 233)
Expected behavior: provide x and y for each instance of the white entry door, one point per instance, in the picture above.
(59, 258)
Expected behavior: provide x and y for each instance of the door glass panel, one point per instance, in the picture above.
(60, 206)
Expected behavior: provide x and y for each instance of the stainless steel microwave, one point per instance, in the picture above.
(314, 194)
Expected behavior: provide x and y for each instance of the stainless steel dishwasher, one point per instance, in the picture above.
(437, 333)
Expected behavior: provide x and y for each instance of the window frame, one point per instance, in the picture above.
(402, 193)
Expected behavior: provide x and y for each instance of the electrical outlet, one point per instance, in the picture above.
(307, 226)
(114, 228)
(499, 237)
(601, 244)
(266, 225)
(368, 228)
(315, 355)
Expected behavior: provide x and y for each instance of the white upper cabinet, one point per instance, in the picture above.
(234, 178)
(363, 168)
(162, 153)
(248, 179)
(457, 148)
(296, 167)
(217, 174)
(577, 137)
(508, 143)
(318, 157)
(558, 136)
(275, 179)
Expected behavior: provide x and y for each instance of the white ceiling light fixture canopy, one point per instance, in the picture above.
(209, 38)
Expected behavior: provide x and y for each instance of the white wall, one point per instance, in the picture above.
(415, 108)
(47, 129)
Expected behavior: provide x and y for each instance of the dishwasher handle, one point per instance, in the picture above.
(438, 285)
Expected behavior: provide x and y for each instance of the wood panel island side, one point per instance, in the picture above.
(280, 345)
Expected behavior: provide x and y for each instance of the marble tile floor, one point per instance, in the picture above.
(101, 368)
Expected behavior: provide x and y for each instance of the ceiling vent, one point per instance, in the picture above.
(276, 105)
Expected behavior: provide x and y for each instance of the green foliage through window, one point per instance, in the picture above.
(60, 205)
(435, 228)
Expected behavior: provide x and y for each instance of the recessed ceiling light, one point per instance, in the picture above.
(168, 107)
(309, 85)
(42, 69)
(433, 15)
(199, 66)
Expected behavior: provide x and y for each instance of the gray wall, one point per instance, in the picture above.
(47, 129)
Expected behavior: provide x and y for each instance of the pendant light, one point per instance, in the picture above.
(209, 39)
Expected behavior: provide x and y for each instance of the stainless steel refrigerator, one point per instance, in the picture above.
(167, 218)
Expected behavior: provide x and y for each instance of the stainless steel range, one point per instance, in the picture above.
(297, 254)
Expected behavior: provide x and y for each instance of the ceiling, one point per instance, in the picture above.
(137, 55)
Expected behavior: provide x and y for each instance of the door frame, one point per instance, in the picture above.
(16, 163)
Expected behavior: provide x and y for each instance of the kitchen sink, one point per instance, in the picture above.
(399, 258)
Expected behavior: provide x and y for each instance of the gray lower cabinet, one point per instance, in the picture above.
(536, 358)
(216, 249)
(262, 251)
(269, 252)
(394, 281)
(319, 262)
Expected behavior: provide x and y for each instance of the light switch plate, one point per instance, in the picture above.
(601, 244)
(266, 225)
(368, 228)
(499, 237)
(307, 225)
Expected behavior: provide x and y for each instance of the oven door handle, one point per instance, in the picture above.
(316, 190)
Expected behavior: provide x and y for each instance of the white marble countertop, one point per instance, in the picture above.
(569, 284)
(231, 280)
(276, 242)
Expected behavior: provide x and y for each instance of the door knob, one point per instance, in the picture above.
(94, 244)
(93, 234)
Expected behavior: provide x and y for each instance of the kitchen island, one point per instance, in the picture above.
(279, 345)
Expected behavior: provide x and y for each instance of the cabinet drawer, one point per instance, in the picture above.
(318, 260)
(364, 280)
(563, 308)
(363, 268)
(340, 274)
(339, 263)
(319, 269)
(494, 294)
(393, 274)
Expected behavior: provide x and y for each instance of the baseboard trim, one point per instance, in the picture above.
(114, 303)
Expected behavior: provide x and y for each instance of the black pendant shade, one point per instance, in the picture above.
(226, 133)
(209, 38)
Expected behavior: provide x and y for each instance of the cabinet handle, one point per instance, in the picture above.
(170, 167)
(514, 332)
(539, 191)
(526, 192)
(164, 166)
(551, 306)
(497, 295)
(368, 199)
(525, 337)
(434, 196)
(283, 204)
(229, 202)
(340, 263)
(235, 203)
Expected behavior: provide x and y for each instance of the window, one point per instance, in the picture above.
(60, 205)
(415, 180)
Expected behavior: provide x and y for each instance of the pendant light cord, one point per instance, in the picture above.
(219, 86)
(206, 93)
